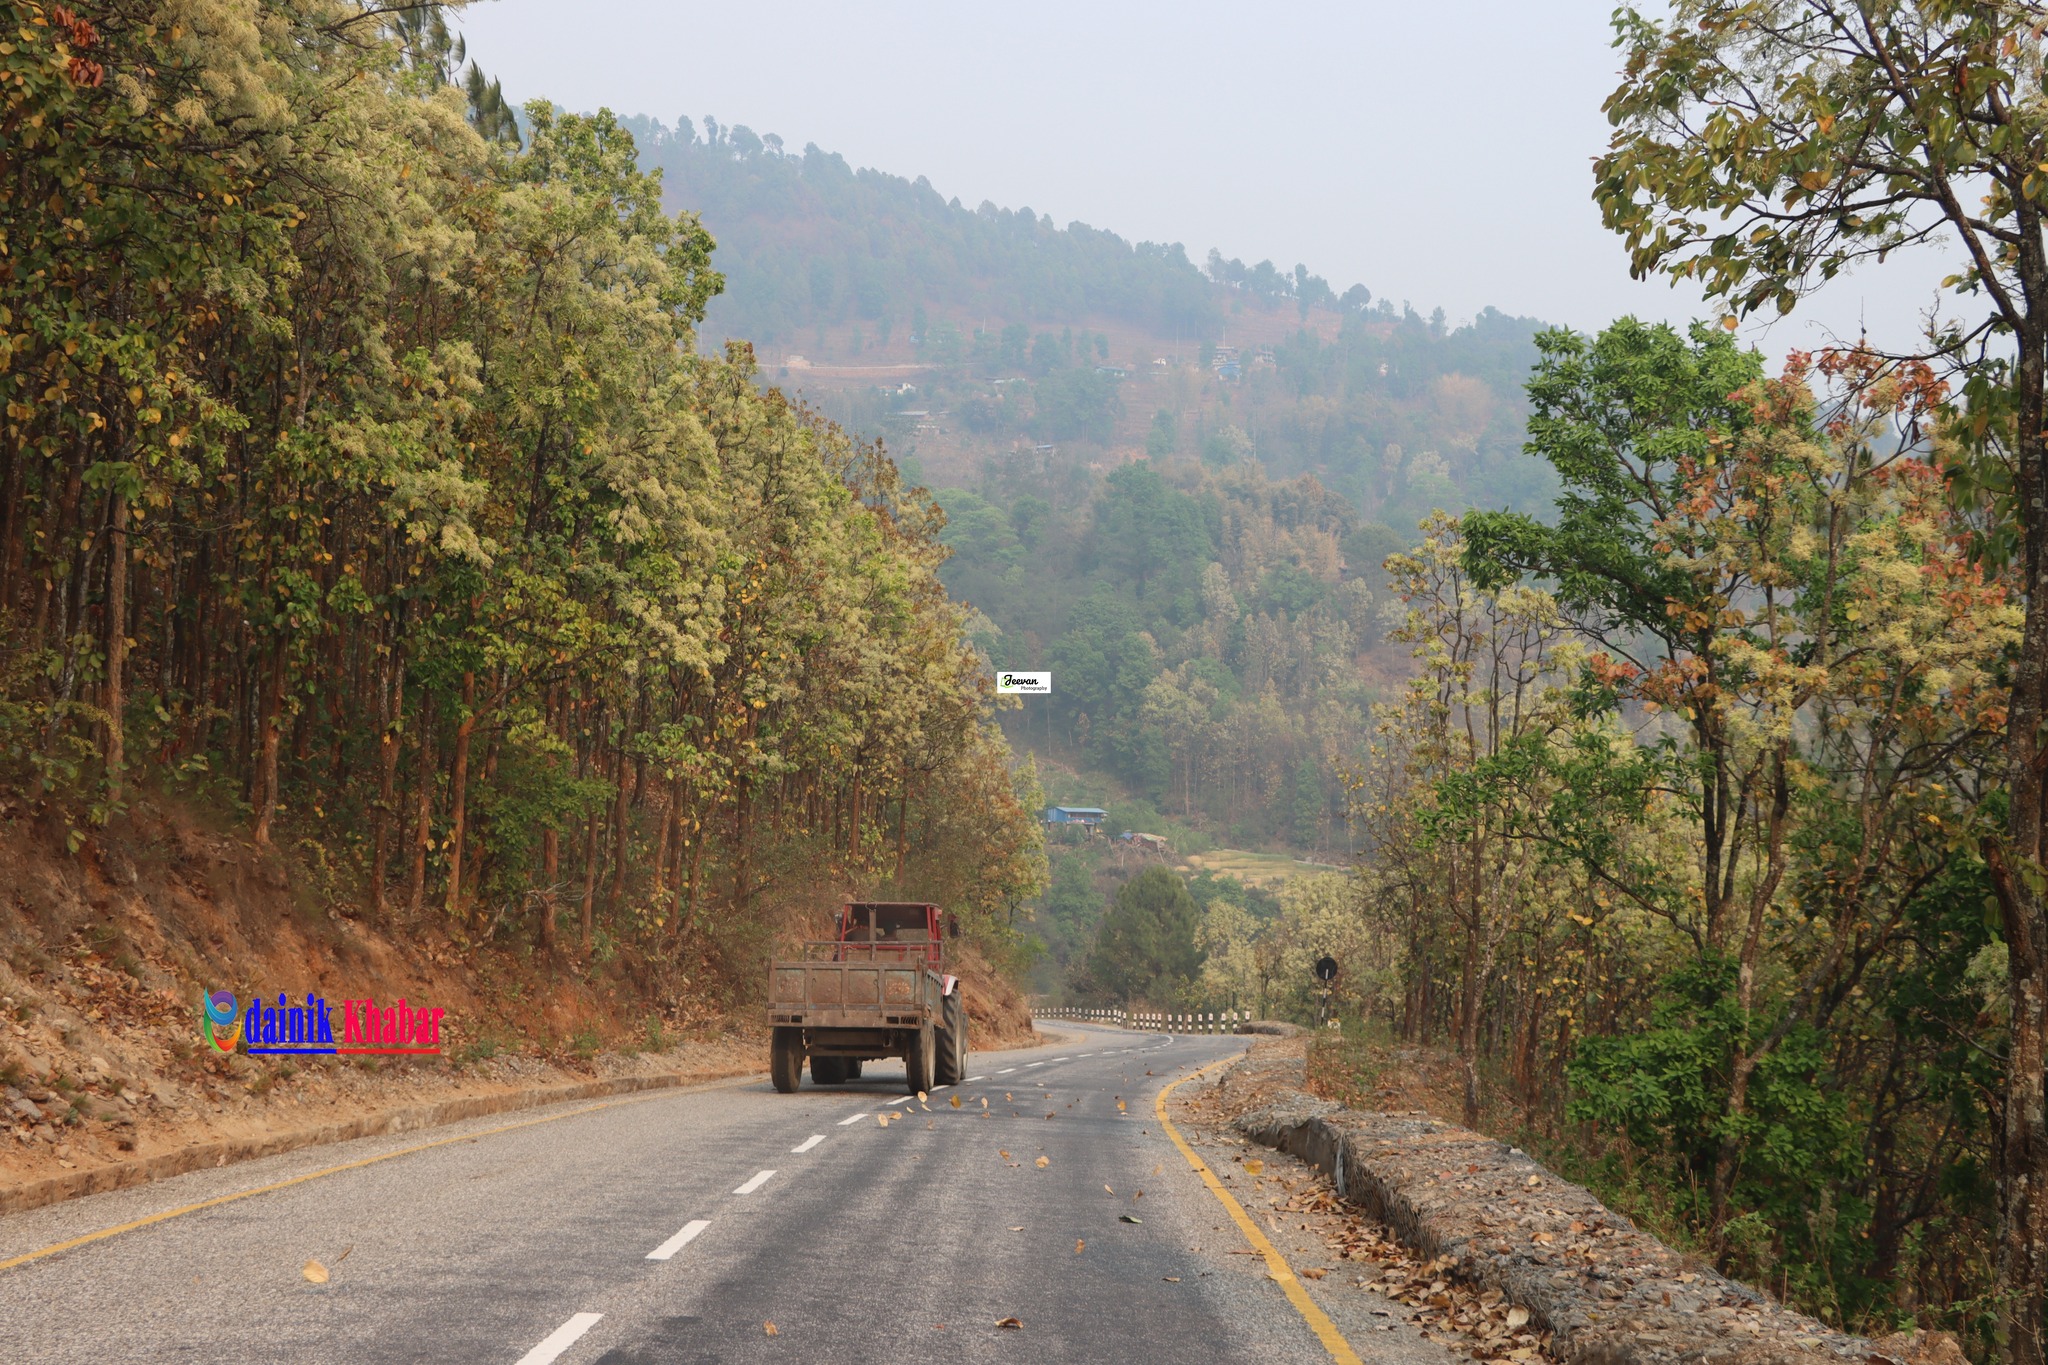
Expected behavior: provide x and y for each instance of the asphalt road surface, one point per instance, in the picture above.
(726, 1223)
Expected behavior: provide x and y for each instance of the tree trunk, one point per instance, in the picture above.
(589, 879)
(117, 641)
(550, 872)
(390, 717)
(267, 737)
(13, 534)
(458, 793)
(1469, 987)
(2023, 903)
(902, 824)
(423, 809)
(663, 846)
(622, 843)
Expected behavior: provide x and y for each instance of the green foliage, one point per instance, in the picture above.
(1164, 436)
(1623, 418)
(1075, 404)
(362, 467)
(1144, 948)
(1715, 840)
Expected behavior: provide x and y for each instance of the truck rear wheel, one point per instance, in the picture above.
(828, 1070)
(786, 1059)
(853, 1068)
(917, 1060)
(951, 1066)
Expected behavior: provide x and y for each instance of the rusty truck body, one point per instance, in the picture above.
(879, 989)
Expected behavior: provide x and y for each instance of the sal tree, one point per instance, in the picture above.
(1762, 148)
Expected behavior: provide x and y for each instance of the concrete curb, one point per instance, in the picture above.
(120, 1175)
(1609, 1293)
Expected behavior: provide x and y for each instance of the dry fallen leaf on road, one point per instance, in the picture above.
(1003, 1154)
(1043, 1162)
(1315, 1274)
(1157, 1169)
(1107, 1190)
(1254, 1167)
(1517, 1318)
(314, 1271)
(1127, 1218)
(1079, 1244)
(1171, 1279)
(1018, 1228)
(920, 1097)
(1008, 1096)
(1008, 1322)
(882, 1119)
(956, 1101)
(771, 1329)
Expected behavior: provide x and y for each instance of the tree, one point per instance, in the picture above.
(1761, 148)
(1629, 420)
(1164, 436)
(1145, 946)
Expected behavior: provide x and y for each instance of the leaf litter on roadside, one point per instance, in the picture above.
(1481, 1323)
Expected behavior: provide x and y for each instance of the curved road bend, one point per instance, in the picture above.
(678, 1227)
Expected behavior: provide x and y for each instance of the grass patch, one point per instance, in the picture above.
(480, 1049)
(1255, 869)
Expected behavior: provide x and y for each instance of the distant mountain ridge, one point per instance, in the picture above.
(806, 240)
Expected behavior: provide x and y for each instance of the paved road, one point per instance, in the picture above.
(857, 1241)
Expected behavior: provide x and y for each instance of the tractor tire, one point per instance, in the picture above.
(828, 1070)
(786, 1059)
(917, 1061)
(951, 1065)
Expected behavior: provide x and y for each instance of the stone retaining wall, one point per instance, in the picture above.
(1609, 1293)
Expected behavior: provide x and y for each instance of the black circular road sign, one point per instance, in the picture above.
(1326, 968)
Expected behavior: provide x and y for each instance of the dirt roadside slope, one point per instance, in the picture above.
(106, 953)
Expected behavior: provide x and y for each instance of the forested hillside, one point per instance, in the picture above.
(1171, 485)
(807, 239)
(362, 485)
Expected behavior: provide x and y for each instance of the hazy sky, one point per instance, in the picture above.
(1438, 154)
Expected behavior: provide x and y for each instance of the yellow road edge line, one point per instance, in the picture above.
(1276, 1264)
(217, 1200)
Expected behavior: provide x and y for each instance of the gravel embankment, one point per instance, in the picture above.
(1610, 1293)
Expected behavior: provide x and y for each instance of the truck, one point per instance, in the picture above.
(878, 989)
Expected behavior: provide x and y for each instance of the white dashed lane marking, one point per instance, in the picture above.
(1006, 1071)
(679, 1241)
(561, 1339)
(808, 1143)
(760, 1179)
(847, 1123)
